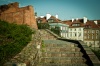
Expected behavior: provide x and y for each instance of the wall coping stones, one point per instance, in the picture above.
(53, 33)
(91, 55)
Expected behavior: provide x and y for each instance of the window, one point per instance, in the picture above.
(89, 31)
(85, 31)
(70, 29)
(79, 34)
(76, 25)
(70, 34)
(85, 37)
(79, 29)
(92, 31)
(61, 34)
(97, 31)
(75, 34)
(66, 28)
(92, 36)
(88, 26)
(88, 37)
(61, 27)
(75, 29)
(96, 36)
(50, 20)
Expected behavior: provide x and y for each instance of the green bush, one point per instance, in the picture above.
(56, 30)
(13, 38)
(43, 26)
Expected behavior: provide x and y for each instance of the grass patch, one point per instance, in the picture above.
(43, 46)
(13, 38)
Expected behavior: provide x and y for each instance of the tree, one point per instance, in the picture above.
(56, 30)
(43, 25)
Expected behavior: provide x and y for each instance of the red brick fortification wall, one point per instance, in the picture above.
(13, 14)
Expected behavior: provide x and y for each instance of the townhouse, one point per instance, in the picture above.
(92, 34)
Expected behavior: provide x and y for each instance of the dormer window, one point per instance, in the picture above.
(88, 26)
(50, 20)
(76, 25)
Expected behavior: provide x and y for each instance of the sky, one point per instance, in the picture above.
(65, 9)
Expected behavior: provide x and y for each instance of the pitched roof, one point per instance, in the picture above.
(77, 22)
(43, 20)
(68, 22)
(90, 24)
(98, 21)
(55, 19)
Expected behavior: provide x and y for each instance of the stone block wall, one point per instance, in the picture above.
(14, 14)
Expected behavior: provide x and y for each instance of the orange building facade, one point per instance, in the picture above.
(13, 14)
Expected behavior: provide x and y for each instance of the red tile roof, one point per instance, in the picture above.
(68, 22)
(45, 21)
(91, 24)
(88, 24)
(55, 19)
(98, 21)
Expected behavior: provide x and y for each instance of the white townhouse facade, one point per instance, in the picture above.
(76, 33)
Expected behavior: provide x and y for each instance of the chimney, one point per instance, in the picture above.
(84, 19)
(95, 22)
(48, 16)
(72, 19)
(76, 18)
(41, 16)
(57, 16)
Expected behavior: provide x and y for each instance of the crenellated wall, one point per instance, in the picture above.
(13, 14)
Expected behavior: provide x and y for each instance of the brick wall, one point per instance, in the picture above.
(14, 14)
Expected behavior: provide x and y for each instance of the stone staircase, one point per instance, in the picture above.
(53, 52)
(46, 35)
(61, 53)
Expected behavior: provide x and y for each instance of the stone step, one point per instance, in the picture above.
(63, 60)
(58, 42)
(62, 54)
(61, 49)
(64, 64)
(61, 45)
